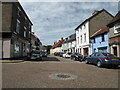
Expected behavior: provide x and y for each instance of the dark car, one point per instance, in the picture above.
(103, 59)
(77, 57)
(61, 54)
(36, 55)
(44, 53)
(55, 53)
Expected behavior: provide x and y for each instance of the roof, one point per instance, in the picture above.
(58, 44)
(101, 31)
(115, 19)
(93, 17)
(71, 38)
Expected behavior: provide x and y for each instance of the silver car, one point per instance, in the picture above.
(36, 55)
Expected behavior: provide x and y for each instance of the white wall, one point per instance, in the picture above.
(84, 29)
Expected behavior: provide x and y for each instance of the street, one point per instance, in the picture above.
(57, 72)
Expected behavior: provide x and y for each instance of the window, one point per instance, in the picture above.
(94, 40)
(23, 47)
(18, 26)
(81, 38)
(25, 33)
(16, 47)
(84, 26)
(78, 40)
(84, 37)
(103, 39)
(19, 11)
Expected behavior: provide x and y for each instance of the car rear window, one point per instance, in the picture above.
(108, 54)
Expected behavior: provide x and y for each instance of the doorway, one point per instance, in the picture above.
(115, 51)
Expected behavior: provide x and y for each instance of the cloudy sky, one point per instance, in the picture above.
(53, 20)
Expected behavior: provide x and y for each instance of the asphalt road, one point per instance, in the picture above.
(42, 74)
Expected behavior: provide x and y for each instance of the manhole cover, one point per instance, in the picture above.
(62, 76)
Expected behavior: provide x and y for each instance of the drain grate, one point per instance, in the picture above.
(62, 76)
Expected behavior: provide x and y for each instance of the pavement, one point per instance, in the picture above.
(11, 61)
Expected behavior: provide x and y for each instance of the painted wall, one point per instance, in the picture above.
(98, 43)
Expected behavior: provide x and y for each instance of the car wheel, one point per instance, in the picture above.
(99, 64)
(115, 66)
(80, 59)
(86, 61)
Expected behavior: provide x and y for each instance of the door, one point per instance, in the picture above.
(6, 48)
(85, 51)
(115, 51)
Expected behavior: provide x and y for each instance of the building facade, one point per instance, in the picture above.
(115, 35)
(69, 44)
(100, 40)
(35, 42)
(16, 29)
(57, 47)
(98, 20)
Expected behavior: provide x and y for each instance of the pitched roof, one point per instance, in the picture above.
(101, 31)
(70, 38)
(115, 19)
(58, 44)
(93, 17)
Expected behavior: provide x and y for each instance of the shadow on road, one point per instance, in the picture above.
(45, 59)
(50, 59)
(106, 67)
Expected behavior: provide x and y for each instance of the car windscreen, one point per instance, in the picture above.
(108, 54)
(36, 52)
(69, 53)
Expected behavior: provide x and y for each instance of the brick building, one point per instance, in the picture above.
(16, 29)
(115, 35)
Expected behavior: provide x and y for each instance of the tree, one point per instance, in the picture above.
(48, 47)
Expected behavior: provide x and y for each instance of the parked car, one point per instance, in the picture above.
(44, 53)
(77, 57)
(103, 59)
(67, 55)
(61, 54)
(55, 53)
(36, 55)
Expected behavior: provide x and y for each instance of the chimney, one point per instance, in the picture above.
(95, 12)
(118, 6)
(62, 38)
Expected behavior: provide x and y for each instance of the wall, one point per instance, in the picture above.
(98, 42)
(99, 21)
(6, 16)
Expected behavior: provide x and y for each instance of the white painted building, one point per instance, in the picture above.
(87, 28)
(69, 44)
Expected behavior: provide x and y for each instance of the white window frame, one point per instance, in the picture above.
(18, 26)
(25, 33)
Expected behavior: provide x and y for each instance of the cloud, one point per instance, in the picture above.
(53, 20)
